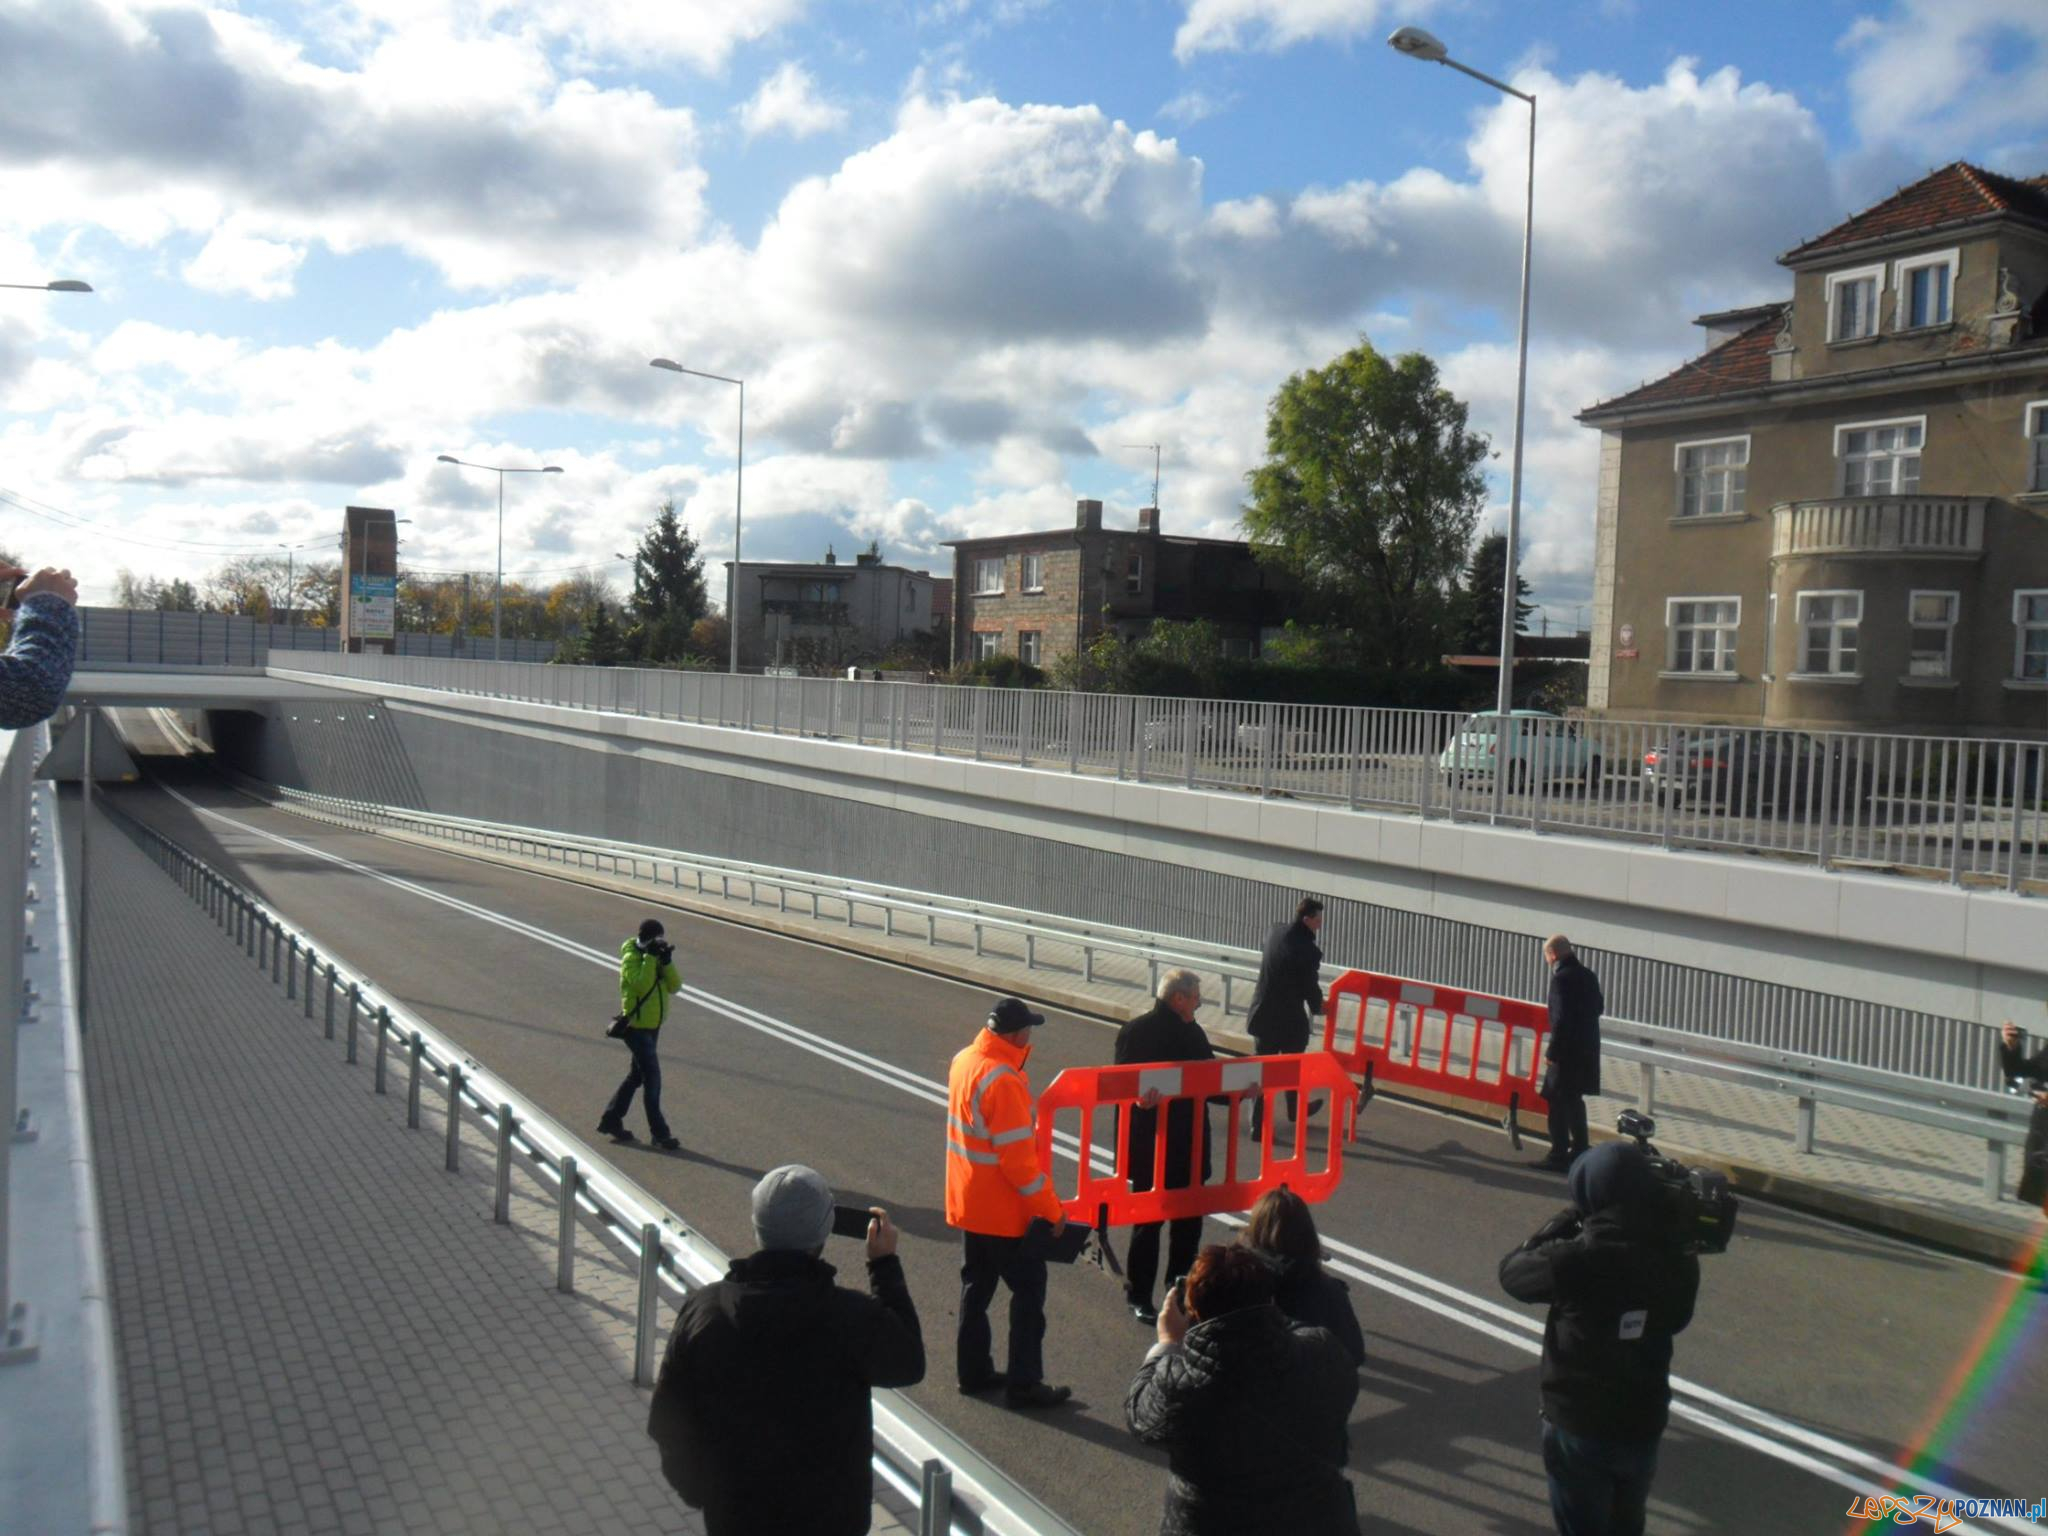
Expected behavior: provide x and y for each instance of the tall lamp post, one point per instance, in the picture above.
(1418, 44)
(498, 579)
(739, 481)
(291, 555)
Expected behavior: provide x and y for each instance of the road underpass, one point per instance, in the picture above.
(1817, 1354)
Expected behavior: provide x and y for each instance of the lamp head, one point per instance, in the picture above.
(1418, 44)
(663, 362)
(446, 458)
(551, 469)
(68, 285)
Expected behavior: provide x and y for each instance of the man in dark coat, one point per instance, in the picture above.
(1167, 1033)
(1573, 1051)
(762, 1406)
(1619, 1285)
(1252, 1410)
(1289, 993)
(2013, 1062)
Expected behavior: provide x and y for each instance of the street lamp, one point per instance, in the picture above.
(498, 580)
(291, 555)
(1421, 45)
(61, 285)
(732, 592)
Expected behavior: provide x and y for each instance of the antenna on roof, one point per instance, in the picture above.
(1155, 466)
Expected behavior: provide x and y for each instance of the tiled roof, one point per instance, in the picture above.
(1742, 362)
(1951, 195)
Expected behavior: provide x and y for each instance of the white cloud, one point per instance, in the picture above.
(1195, 106)
(700, 33)
(1220, 25)
(236, 261)
(788, 102)
(1942, 75)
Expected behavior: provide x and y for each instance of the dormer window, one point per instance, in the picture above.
(1925, 285)
(1852, 303)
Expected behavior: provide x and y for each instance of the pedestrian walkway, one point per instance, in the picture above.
(319, 1329)
(1868, 1167)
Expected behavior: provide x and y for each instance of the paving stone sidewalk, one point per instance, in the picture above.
(319, 1329)
(1894, 1163)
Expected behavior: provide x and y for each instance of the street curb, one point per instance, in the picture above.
(1995, 1245)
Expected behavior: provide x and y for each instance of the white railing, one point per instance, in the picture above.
(1998, 1119)
(953, 1487)
(1968, 810)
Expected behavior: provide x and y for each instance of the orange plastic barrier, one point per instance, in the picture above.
(1470, 1045)
(1103, 1197)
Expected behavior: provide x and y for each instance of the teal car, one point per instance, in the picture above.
(1546, 747)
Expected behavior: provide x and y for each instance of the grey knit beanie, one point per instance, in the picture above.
(792, 1208)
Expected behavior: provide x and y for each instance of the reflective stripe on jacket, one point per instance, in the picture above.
(994, 1185)
(644, 987)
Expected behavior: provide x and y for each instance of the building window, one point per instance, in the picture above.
(1028, 645)
(2030, 638)
(2037, 446)
(1712, 477)
(1134, 573)
(1880, 458)
(1828, 622)
(988, 577)
(1852, 303)
(987, 643)
(1701, 633)
(1931, 618)
(1032, 575)
(1925, 285)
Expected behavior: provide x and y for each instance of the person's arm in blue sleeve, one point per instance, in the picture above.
(36, 668)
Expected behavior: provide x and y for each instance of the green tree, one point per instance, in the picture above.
(668, 588)
(1369, 496)
(1479, 599)
(602, 645)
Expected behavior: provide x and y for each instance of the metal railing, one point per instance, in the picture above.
(1997, 1119)
(119, 637)
(1966, 809)
(19, 845)
(952, 1487)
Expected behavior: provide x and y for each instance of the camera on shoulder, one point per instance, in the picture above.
(1693, 1206)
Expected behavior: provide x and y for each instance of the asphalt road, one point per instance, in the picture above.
(1834, 1346)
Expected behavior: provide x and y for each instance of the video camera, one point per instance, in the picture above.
(1694, 1206)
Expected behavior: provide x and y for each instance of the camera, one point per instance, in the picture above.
(1694, 1207)
(661, 949)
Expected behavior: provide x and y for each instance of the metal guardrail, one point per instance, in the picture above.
(1965, 809)
(953, 1488)
(1998, 1119)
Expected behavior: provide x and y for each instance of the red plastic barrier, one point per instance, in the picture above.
(1102, 1196)
(1470, 1045)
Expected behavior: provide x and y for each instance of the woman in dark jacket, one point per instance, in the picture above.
(1251, 1408)
(1283, 1233)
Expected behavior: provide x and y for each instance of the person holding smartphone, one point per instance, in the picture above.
(36, 668)
(2018, 1067)
(761, 1410)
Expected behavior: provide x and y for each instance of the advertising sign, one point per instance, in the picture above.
(374, 607)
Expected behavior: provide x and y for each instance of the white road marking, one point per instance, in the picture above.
(1483, 1315)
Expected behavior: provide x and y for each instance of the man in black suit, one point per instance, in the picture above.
(2015, 1063)
(1573, 1050)
(1289, 994)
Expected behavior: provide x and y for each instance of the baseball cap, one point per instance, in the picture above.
(1011, 1014)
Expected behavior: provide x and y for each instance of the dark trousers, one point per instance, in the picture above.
(1567, 1124)
(984, 1261)
(1597, 1487)
(2034, 1160)
(1141, 1266)
(644, 1073)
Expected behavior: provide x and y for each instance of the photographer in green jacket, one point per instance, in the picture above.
(647, 978)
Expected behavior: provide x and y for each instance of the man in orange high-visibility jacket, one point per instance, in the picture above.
(994, 1187)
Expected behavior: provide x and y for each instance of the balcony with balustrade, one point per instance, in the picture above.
(1880, 527)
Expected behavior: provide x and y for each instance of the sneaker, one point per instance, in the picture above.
(668, 1144)
(616, 1130)
(1037, 1395)
(982, 1384)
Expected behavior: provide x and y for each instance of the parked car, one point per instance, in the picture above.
(1747, 771)
(1545, 745)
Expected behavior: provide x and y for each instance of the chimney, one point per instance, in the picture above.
(1148, 520)
(1088, 516)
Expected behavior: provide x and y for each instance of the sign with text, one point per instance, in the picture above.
(374, 601)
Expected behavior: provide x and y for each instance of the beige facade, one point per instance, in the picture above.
(1838, 517)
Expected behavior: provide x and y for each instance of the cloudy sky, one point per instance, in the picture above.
(963, 251)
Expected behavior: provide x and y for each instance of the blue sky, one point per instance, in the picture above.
(962, 250)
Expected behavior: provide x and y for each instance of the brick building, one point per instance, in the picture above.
(1039, 596)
